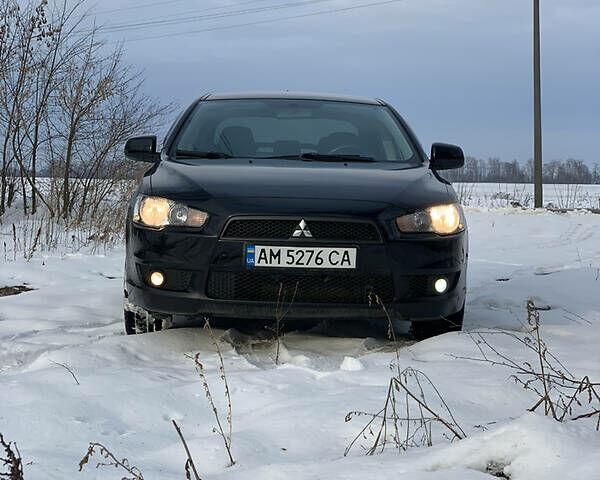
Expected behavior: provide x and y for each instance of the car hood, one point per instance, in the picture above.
(381, 183)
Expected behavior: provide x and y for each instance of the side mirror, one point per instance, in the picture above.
(142, 149)
(446, 157)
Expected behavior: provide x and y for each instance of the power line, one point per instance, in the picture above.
(185, 12)
(145, 5)
(187, 19)
(261, 22)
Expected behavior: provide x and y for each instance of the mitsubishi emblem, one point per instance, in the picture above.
(302, 230)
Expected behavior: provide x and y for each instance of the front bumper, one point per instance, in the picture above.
(195, 255)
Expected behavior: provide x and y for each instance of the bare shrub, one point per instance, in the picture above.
(68, 101)
(200, 369)
(12, 460)
(563, 395)
(518, 197)
(568, 196)
(407, 418)
(97, 232)
(464, 191)
(40, 233)
(521, 197)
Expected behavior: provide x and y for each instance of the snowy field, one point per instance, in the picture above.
(289, 419)
(499, 195)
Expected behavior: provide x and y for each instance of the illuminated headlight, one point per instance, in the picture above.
(157, 279)
(441, 219)
(159, 212)
(440, 285)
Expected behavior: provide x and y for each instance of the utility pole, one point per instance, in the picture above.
(537, 110)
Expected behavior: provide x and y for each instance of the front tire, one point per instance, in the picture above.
(431, 328)
(139, 320)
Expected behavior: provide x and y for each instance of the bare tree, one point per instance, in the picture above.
(67, 103)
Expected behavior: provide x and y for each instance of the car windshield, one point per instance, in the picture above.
(314, 130)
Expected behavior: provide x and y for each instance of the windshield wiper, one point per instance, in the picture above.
(324, 157)
(194, 154)
(332, 157)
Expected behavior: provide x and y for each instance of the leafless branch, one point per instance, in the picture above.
(12, 460)
(190, 461)
(67, 369)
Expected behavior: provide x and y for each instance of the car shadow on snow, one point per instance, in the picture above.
(263, 330)
(316, 345)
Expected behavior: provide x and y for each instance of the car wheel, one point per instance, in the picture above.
(431, 328)
(138, 320)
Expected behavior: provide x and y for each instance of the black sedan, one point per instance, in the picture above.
(324, 207)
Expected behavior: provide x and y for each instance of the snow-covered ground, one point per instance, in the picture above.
(499, 195)
(288, 420)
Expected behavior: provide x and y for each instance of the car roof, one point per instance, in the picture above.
(291, 96)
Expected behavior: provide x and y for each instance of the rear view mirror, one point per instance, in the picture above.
(446, 157)
(142, 149)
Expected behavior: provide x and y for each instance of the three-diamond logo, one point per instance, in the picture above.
(302, 230)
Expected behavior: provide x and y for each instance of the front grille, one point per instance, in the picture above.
(349, 231)
(282, 229)
(310, 288)
(261, 229)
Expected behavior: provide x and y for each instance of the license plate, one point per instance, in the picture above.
(300, 257)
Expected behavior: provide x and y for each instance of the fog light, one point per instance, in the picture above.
(440, 285)
(157, 279)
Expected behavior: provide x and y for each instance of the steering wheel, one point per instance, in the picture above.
(350, 148)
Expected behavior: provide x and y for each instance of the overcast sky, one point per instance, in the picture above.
(459, 71)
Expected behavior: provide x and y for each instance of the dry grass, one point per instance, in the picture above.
(281, 311)
(99, 230)
(200, 369)
(375, 300)
(110, 461)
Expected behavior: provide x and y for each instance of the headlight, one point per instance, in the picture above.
(159, 212)
(441, 219)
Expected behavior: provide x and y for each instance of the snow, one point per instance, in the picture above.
(351, 364)
(497, 195)
(288, 419)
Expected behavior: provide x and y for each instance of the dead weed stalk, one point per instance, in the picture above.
(200, 369)
(189, 463)
(280, 313)
(110, 461)
(375, 299)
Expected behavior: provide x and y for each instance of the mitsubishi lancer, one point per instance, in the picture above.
(324, 204)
